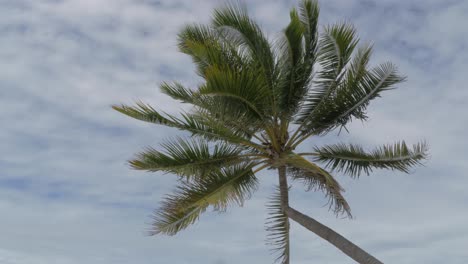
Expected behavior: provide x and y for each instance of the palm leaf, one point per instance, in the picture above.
(212, 129)
(321, 119)
(237, 28)
(379, 79)
(277, 226)
(187, 122)
(210, 107)
(145, 112)
(316, 178)
(188, 157)
(309, 14)
(238, 90)
(293, 73)
(207, 48)
(353, 159)
(219, 189)
(336, 47)
(178, 92)
(352, 100)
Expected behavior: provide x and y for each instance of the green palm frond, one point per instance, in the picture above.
(294, 33)
(195, 124)
(357, 70)
(219, 189)
(292, 85)
(208, 48)
(336, 44)
(277, 226)
(321, 119)
(297, 54)
(200, 42)
(212, 108)
(231, 123)
(178, 92)
(379, 79)
(211, 129)
(240, 91)
(229, 73)
(147, 113)
(314, 181)
(351, 98)
(188, 157)
(234, 23)
(309, 14)
(353, 159)
(351, 101)
(316, 178)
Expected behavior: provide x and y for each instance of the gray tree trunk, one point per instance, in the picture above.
(283, 184)
(284, 189)
(333, 237)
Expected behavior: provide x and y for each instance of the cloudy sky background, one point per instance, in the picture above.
(67, 195)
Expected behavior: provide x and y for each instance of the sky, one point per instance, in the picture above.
(68, 196)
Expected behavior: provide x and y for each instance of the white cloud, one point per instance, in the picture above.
(66, 195)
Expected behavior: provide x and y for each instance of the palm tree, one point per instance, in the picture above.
(258, 102)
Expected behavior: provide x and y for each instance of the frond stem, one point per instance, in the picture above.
(261, 167)
(308, 154)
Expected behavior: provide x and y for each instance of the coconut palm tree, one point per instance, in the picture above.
(257, 103)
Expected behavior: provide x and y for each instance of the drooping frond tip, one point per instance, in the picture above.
(277, 226)
(219, 189)
(332, 189)
(316, 178)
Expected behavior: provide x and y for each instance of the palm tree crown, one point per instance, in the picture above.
(257, 103)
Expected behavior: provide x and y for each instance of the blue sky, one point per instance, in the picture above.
(67, 196)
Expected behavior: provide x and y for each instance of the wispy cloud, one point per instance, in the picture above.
(67, 196)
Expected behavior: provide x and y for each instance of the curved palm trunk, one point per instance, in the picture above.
(333, 237)
(283, 185)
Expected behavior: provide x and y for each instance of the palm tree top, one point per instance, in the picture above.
(259, 100)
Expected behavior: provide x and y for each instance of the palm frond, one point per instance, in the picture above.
(277, 226)
(294, 75)
(336, 44)
(353, 159)
(353, 97)
(195, 124)
(357, 70)
(321, 118)
(210, 107)
(188, 157)
(207, 48)
(294, 33)
(178, 92)
(212, 129)
(234, 23)
(219, 189)
(309, 14)
(234, 124)
(316, 178)
(213, 112)
(237, 90)
(379, 79)
(145, 112)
